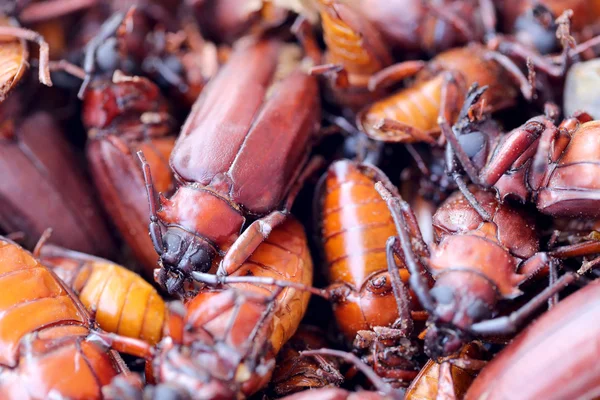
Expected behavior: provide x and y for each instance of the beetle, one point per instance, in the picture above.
(534, 365)
(354, 225)
(294, 373)
(447, 380)
(412, 114)
(39, 164)
(119, 300)
(553, 166)
(476, 264)
(225, 340)
(48, 335)
(355, 51)
(124, 115)
(251, 178)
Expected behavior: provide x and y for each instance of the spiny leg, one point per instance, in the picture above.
(398, 208)
(399, 289)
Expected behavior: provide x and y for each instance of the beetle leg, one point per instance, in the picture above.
(107, 30)
(395, 73)
(215, 280)
(154, 227)
(135, 347)
(458, 23)
(377, 382)
(449, 98)
(576, 250)
(29, 35)
(513, 71)
(398, 208)
(539, 166)
(509, 324)
(303, 31)
(515, 144)
(336, 73)
(400, 290)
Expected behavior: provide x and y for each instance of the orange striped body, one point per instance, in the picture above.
(353, 43)
(356, 224)
(427, 384)
(43, 330)
(124, 303)
(222, 333)
(418, 106)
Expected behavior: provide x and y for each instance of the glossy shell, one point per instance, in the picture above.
(123, 302)
(284, 255)
(548, 360)
(238, 139)
(573, 185)
(124, 116)
(43, 347)
(355, 225)
(37, 163)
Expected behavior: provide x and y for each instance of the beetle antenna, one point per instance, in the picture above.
(398, 207)
(215, 280)
(107, 30)
(154, 227)
(41, 242)
(375, 379)
(29, 35)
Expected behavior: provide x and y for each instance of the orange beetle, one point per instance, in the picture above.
(48, 344)
(414, 114)
(355, 227)
(121, 301)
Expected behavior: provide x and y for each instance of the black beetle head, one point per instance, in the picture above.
(183, 254)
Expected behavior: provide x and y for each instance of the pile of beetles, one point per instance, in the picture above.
(299, 199)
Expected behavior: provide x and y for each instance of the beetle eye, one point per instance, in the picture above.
(472, 143)
(201, 260)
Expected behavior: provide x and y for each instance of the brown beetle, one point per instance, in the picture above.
(355, 51)
(354, 228)
(39, 164)
(294, 373)
(224, 343)
(534, 366)
(553, 166)
(48, 335)
(476, 264)
(239, 161)
(123, 116)
(414, 114)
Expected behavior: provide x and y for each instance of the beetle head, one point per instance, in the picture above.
(461, 298)
(183, 253)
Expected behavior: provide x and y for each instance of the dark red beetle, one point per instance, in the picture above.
(553, 166)
(239, 157)
(476, 264)
(123, 116)
(554, 358)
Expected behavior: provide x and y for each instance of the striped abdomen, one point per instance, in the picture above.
(42, 335)
(124, 303)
